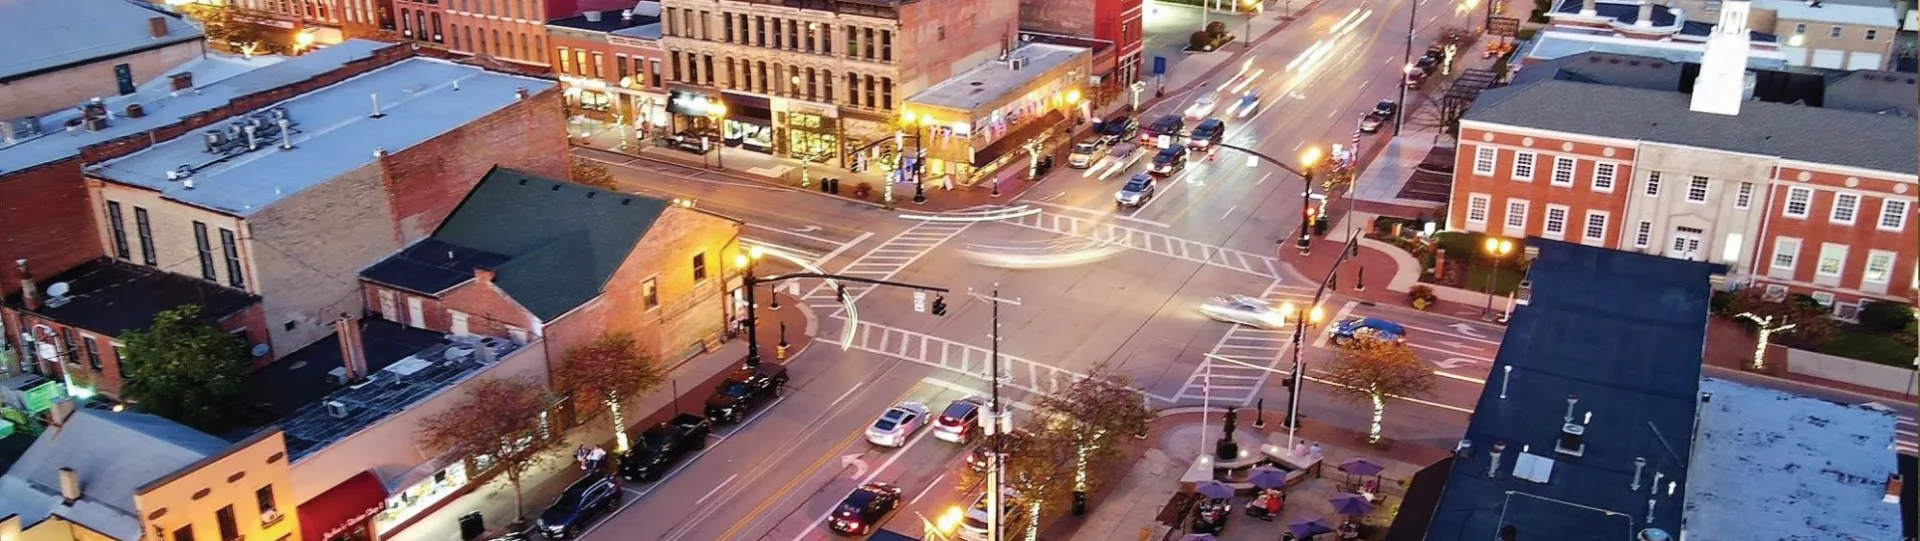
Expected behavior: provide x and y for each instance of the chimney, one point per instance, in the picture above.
(1645, 18)
(180, 81)
(353, 353)
(1587, 9)
(135, 110)
(520, 93)
(286, 134)
(29, 294)
(157, 26)
(593, 16)
(1721, 85)
(69, 486)
(626, 18)
(483, 275)
(1894, 484)
(1493, 459)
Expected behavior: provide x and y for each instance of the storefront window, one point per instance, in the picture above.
(749, 136)
(423, 494)
(595, 101)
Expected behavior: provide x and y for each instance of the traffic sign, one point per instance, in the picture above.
(920, 302)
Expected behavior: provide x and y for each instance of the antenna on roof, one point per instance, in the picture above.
(376, 106)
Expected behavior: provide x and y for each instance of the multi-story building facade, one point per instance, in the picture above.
(1835, 34)
(1791, 197)
(1638, 28)
(1114, 23)
(289, 25)
(818, 79)
(610, 65)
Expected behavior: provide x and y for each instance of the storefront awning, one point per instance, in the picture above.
(347, 504)
(1012, 141)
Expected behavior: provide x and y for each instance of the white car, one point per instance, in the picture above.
(1245, 311)
(974, 526)
(1202, 107)
(898, 424)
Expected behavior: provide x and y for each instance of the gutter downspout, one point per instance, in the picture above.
(1766, 218)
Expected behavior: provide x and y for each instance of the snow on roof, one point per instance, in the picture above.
(1774, 465)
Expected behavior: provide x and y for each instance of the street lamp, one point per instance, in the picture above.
(919, 160)
(746, 263)
(719, 115)
(1307, 160)
(1496, 248)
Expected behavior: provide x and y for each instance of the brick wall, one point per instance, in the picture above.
(308, 249)
(52, 91)
(426, 181)
(975, 31)
(489, 310)
(45, 218)
(109, 377)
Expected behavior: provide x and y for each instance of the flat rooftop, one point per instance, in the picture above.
(110, 296)
(44, 35)
(994, 79)
(1618, 334)
(1776, 465)
(163, 108)
(333, 131)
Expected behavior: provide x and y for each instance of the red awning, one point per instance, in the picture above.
(347, 504)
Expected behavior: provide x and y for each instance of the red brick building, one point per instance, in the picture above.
(610, 64)
(1115, 24)
(1793, 198)
(547, 261)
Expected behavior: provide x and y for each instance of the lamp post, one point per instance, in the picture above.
(919, 188)
(1307, 319)
(719, 115)
(1496, 248)
(1307, 159)
(746, 263)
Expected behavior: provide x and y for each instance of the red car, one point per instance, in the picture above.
(960, 421)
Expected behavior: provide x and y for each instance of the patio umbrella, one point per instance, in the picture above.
(1310, 528)
(1213, 489)
(1199, 537)
(1352, 505)
(1362, 467)
(1267, 477)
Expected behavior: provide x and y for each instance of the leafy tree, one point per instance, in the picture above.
(225, 29)
(185, 369)
(1885, 317)
(499, 420)
(592, 173)
(1803, 317)
(1077, 434)
(609, 371)
(1371, 370)
(1039, 473)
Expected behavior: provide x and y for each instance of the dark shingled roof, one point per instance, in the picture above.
(431, 267)
(1812, 134)
(110, 297)
(1625, 333)
(562, 241)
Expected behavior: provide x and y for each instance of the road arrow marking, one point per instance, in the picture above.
(859, 466)
(1468, 330)
(1458, 345)
(1456, 362)
(807, 229)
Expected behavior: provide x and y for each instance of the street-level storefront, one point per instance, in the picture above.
(749, 121)
(345, 512)
(693, 120)
(810, 131)
(417, 490)
(976, 124)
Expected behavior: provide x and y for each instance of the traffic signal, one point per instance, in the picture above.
(840, 293)
(940, 305)
(1333, 282)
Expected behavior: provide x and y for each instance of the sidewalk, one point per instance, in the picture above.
(693, 380)
(1731, 347)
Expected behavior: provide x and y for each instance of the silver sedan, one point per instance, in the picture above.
(1244, 310)
(897, 425)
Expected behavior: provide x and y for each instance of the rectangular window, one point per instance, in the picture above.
(1800, 29)
(1653, 184)
(1845, 207)
(229, 528)
(1603, 176)
(1523, 166)
(118, 224)
(1879, 267)
(230, 245)
(1556, 226)
(1786, 252)
(620, 69)
(185, 533)
(1517, 214)
(566, 60)
(598, 60)
(1893, 214)
(1697, 189)
(264, 497)
(653, 73)
(650, 292)
(1730, 253)
(1833, 259)
(205, 245)
(1872, 34)
(93, 351)
(826, 39)
(1743, 198)
(145, 228)
(1799, 202)
(1483, 159)
(700, 267)
(1643, 235)
(1477, 208)
(1596, 230)
(886, 45)
(68, 351)
(1563, 171)
(1834, 32)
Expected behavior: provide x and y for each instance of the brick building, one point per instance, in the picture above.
(508, 30)
(818, 78)
(51, 64)
(301, 181)
(1792, 197)
(610, 64)
(297, 25)
(1115, 26)
(527, 258)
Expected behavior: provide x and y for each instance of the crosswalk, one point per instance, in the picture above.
(922, 348)
(1151, 242)
(885, 261)
(1232, 380)
(1904, 440)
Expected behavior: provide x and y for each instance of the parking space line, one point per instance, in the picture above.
(1461, 336)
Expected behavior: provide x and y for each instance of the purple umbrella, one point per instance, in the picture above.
(1267, 477)
(1310, 528)
(1213, 489)
(1362, 467)
(1352, 505)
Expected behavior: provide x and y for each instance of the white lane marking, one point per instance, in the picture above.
(843, 248)
(785, 231)
(891, 458)
(1450, 352)
(924, 491)
(1100, 213)
(843, 396)
(1229, 211)
(1453, 334)
(1172, 184)
(1154, 243)
(716, 488)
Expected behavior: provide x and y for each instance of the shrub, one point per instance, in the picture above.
(1421, 296)
(1723, 302)
(1885, 317)
(863, 190)
(1201, 41)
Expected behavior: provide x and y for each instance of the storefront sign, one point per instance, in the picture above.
(354, 521)
(343, 508)
(690, 104)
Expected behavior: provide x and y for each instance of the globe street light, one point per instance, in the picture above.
(746, 263)
(1307, 160)
(1496, 248)
(719, 115)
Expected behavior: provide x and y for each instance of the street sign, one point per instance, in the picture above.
(1159, 65)
(920, 302)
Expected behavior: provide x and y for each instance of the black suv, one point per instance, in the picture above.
(865, 509)
(744, 390)
(663, 445)
(1209, 133)
(587, 498)
(1119, 129)
(1170, 161)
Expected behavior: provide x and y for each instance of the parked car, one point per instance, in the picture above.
(660, 447)
(1244, 310)
(745, 390)
(865, 509)
(1370, 122)
(1119, 128)
(897, 425)
(1170, 160)
(1137, 192)
(1368, 327)
(1208, 134)
(973, 527)
(1085, 153)
(586, 499)
(960, 421)
(1386, 108)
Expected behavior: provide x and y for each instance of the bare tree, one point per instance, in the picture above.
(592, 173)
(1370, 370)
(1802, 316)
(500, 422)
(608, 372)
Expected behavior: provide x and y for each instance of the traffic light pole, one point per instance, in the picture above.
(996, 416)
(1298, 377)
(751, 281)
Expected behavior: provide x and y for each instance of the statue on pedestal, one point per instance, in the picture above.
(1226, 448)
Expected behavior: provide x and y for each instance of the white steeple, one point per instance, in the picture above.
(1722, 83)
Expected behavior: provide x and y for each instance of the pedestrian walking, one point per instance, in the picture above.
(580, 456)
(594, 457)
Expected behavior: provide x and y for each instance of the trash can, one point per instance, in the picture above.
(472, 525)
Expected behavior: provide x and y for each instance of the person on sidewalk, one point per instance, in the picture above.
(580, 456)
(594, 457)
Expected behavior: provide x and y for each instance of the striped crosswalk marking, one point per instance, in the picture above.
(1904, 439)
(1221, 382)
(1151, 242)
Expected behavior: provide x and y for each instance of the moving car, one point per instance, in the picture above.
(960, 421)
(587, 498)
(1208, 134)
(1170, 160)
(1009, 442)
(1202, 107)
(974, 526)
(1085, 153)
(865, 509)
(1415, 77)
(1370, 122)
(1165, 132)
(1137, 191)
(745, 390)
(1119, 128)
(663, 445)
(1244, 310)
(1249, 102)
(1368, 327)
(894, 427)
(1124, 155)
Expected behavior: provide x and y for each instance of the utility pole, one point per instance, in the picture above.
(747, 261)
(997, 416)
(1400, 117)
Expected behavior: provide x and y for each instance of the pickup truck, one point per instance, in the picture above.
(745, 390)
(658, 448)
